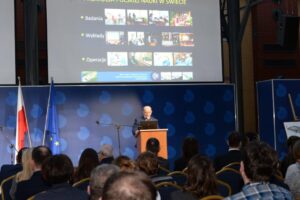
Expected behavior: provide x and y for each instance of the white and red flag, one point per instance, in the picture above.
(21, 122)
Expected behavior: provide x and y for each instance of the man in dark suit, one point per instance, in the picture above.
(9, 170)
(57, 171)
(147, 116)
(36, 183)
(233, 154)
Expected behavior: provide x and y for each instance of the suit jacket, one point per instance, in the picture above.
(62, 191)
(9, 170)
(34, 185)
(137, 122)
(223, 160)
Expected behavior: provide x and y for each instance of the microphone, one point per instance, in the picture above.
(97, 122)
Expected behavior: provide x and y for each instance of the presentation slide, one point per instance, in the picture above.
(128, 41)
(7, 42)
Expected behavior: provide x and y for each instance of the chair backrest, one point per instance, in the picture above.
(231, 177)
(179, 177)
(233, 165)
(163, 171)
(166, 188)
(82, 184)
(212, 197)
(5, 187)
(223, 188)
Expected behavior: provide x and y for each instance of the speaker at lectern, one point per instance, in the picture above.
(159, 134)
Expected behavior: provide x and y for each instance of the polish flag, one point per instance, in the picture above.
(21, 127)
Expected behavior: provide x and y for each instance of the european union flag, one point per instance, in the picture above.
(51, 133)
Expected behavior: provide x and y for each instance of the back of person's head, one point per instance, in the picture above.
(234, 139)
(129, 186)
(291, 141)
(87, 162)
(125, 163)
(40, 154)
(152, 145)
(189, 148)
(20, 154)
(27, 171)
(260, 161)
(148, 163)
(57, 169)
(106, 150)
(201, 179)
(296, 151)
(99, 175)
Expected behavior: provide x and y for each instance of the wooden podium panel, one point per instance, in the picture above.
(160, 134)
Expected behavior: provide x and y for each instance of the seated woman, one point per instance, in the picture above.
(87, 162)
(201, 180)
(125, 163)
(148, 163)
(23, 175)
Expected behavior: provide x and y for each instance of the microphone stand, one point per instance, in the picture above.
(117, 127)
(11, 146)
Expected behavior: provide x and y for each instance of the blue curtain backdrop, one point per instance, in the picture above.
(205, 111)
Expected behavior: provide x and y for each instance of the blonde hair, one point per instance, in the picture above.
(27, 171)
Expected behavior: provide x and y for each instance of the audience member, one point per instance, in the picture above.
(233, 154)
(125, 163)
(289, 158)
(129, 186)
(57, 170)
(189, 149)
(36, 183)
(87, 162)
(148, 163)
(292, 177)
(99, 175)
(153, 146)
(23, 175)
(105, 155)
(257, 166)
(9, 170)
(201, 180)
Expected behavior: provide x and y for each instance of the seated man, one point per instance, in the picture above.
(234, 143)
(9, 170)
(99, 175)
(36, 183)
(257, 167)
(57, 171)
(128, 186)
(105, 155)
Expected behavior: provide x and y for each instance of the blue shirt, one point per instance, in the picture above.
(260, 190)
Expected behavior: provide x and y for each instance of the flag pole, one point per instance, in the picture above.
(46, 120)
(28, 132)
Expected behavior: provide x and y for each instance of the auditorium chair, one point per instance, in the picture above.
(179, 177)
(223, 188)
(82, 184)
(5, 187)
(212, 197)
(233, 165)
(231, 177)
(166, 188)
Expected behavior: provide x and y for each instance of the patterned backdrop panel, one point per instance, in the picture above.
(89, 116)
(275, 109)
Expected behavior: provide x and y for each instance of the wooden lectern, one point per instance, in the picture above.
(160, 134)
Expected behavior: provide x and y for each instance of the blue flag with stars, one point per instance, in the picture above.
(51, 133)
